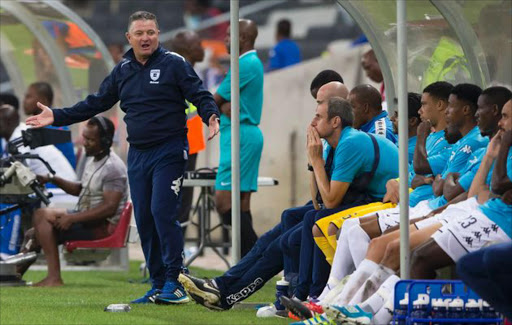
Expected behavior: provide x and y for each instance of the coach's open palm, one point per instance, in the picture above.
(44, 118)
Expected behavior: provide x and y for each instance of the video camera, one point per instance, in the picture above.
(17, 182)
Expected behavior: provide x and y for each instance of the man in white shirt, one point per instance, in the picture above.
(10, 129)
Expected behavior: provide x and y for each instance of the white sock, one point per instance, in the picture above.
(356, 280)
(385, 314)
(331, 283)
(342, 264)
(358, 241)
(376, 301)
(371, 285)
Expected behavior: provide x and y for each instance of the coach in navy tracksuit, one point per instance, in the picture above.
(152, 85)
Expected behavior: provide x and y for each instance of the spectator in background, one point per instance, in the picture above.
(9, 99)
(196, 11)
(371, 67)
(117, 52)
(188, 44)
(285, 52)
(42, 92)
(10, 129)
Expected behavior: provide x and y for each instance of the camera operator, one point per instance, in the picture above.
(102, 193)
(10, 129)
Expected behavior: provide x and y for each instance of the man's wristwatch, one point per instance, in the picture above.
(51, 177)
(310, 167)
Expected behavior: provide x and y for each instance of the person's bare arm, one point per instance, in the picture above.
(478, 186)
(332, 192)
(107, 208)
(72, 188)
(500, 182)
(437, 185)
(392, 192)
(419, 180)
(451, 187)
(420, 162)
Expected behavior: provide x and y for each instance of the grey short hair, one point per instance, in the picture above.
(340, 107)
(141, 15)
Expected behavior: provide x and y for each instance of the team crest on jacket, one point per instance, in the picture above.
(154, 74)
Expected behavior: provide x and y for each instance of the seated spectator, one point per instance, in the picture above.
(285, 52)
(102, 194)
(9, 99)
(10, 129)
(42, 92)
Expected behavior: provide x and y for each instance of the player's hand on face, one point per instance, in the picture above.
(494, 146)
(424, 128)
(213, 126)
(42, 119)
(506, 138)
(315, 147)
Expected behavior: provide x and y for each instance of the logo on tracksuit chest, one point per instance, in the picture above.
(154, 74)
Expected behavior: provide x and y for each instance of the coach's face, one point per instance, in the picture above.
(143, 38)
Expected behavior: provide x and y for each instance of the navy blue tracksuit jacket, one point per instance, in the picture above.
(153, 97)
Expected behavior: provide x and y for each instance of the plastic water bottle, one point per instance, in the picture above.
(281, 290)
(455, 310)
(402, 309)
(472, 311)
(420, 308)
(488, 312)
(439, 307)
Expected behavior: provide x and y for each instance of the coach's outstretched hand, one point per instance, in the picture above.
(213, 126)
(44, 118)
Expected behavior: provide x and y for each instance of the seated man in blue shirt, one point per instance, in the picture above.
(222, 293)
(285, 52)
(413, 105)
(368, 114)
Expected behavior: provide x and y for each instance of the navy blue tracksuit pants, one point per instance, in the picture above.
(156, 175)
(488, 271)
(262, 262)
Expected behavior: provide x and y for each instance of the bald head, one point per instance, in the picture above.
(248, 30)
(9, 120)
(368, 95)
(187, 43)
(333, 89)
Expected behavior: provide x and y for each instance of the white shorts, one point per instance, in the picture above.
(391, 217)
(450, 213)
(467, 233)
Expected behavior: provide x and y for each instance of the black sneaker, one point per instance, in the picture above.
(202, 291)
(296, 307)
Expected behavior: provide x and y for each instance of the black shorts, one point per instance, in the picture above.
(81, 231)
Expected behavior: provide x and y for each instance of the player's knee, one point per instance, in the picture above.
(376, 243)
(317, 232)
(38, 216)
(393, 248)
(419, 259)
(222, 202)
(332, 229)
